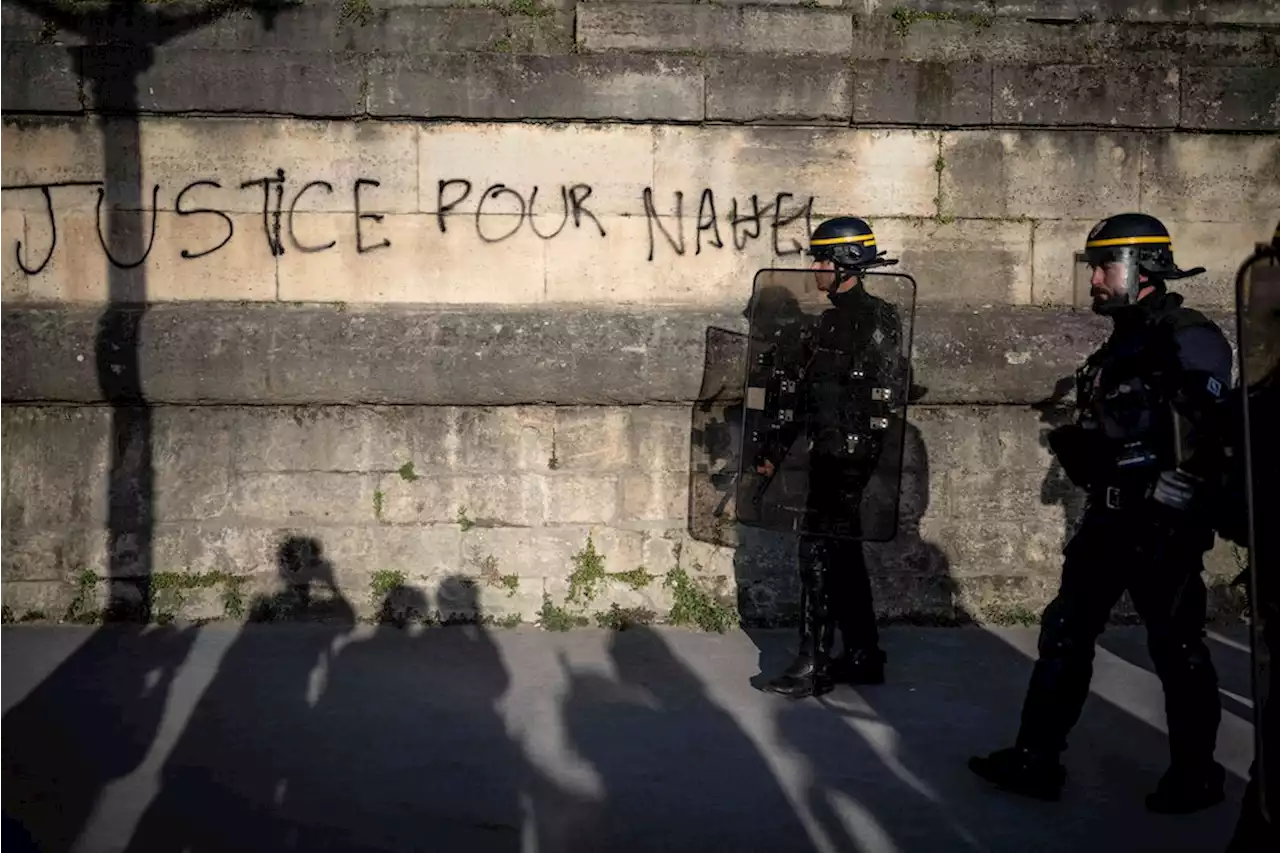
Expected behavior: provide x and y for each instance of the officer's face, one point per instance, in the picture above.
(1108, 282)
(824, 273)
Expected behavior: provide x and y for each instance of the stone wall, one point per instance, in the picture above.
(430, 284)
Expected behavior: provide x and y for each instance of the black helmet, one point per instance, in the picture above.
(848, 242)
(1138, 244)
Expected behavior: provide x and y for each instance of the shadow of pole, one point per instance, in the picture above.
(120, 40)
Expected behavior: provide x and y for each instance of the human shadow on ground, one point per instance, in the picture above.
(89, 723)
(679, 772)
(228, 782)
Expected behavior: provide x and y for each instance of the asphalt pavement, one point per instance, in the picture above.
(313, 737)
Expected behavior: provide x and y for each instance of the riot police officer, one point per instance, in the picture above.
(1142, 449)
(860, 328)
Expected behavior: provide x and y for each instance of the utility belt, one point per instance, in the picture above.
(1121, 498)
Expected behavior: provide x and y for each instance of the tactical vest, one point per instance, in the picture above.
(1124, 393)
(849, 369)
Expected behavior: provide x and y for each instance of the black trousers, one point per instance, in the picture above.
(833, 570)
(1112, 552)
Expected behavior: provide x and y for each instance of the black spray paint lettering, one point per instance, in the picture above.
(205, 211)
(573, 199)
(151, 242)
(53, 219)
(376, 217)
(270, 218)
(293, 235)
(708, 221)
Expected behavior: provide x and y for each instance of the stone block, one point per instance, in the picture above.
(312, 497)
(1212, 178)
(15, 285)
(1056, 243)
(89, 266)
(51, 150)
(487, 87)
(610, 164)
(685, 251)
(921, 9)
(191, 462)
(341, 438)
(482, 500)
(965, 262)
(57, 463)
(1241, 99)
(543, 552)
(876, 172)
(1007, 40)
(40, 78)
(737, 29)
(236, 151)
(996, 496)
(355, 554)
(977, 439)
(403, 258)
(650, 497)
(1038, 174)
(893, 92)
(591, 439)
(1103, 10)
(505, 439)
(1237, 12)
(660, 438)
(762, 90)
(582, 498)
(991, 355)
(49, 599)
(59, 554)
(1065, 95)
(304, 83)
(654, 598)
(195, 548)
(392, 27)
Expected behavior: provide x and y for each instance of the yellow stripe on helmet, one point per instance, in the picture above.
(837, 241)
(1126, 241)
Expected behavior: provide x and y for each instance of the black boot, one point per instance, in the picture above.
(1186, 790)
(859, 666)
(1022, 771)
(810, 673)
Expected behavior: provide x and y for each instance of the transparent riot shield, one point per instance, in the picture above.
(1258, 324)
(715, 438)
(824, 408)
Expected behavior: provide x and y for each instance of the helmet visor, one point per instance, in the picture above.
(1106, 278)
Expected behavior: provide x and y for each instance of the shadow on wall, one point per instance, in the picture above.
(120, 39)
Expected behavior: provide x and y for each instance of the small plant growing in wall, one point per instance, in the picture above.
(463, 521)
(378, 499)
(584, 581)
(693, 606)
(554, 618)
(406, 472)
(381, 584)
(358, 11)
(622, 618)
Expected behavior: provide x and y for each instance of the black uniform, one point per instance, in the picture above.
(1160, 355)
(855, 346)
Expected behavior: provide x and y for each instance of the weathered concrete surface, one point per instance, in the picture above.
(517, 740)
(761, 89)
(211, 353)
(525, 493)
(1066, 95)
(480, 86)
(893, 92)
